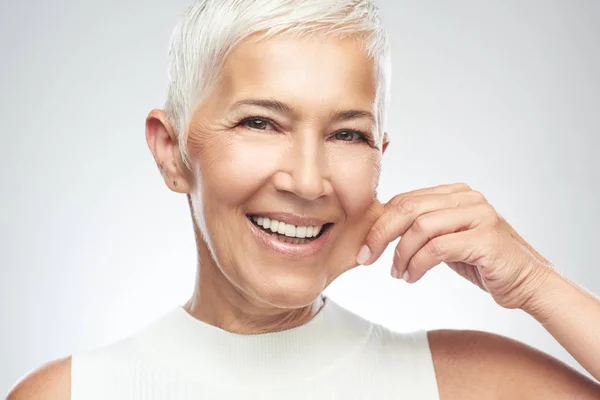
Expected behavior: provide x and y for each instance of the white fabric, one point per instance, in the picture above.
(336, 355)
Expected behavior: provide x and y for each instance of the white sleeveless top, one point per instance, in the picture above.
(336, 355)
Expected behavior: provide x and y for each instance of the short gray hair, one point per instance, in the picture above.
(210, 29)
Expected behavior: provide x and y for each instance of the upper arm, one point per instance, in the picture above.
(51, 381)
(475, 364)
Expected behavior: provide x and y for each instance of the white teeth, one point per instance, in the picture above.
(281, 228)
(289, 230)
(301, 232)
(266, 223)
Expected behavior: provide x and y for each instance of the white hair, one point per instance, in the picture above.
(210, 29)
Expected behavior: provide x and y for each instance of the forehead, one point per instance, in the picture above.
(309, 71)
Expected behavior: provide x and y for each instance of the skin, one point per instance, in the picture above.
(310, 164)
(303, 166)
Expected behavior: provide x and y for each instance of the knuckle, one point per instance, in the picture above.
(436, 248)
(420, 225)
(407, 205)
(478, 196)
(456, 199)
(490, 213)
(463, 186)
(396, 199)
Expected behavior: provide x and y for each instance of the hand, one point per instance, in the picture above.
(456, 225)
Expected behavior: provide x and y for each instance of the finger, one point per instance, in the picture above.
(440, 189)
(399, 215)
(362, 225)
(441, 222)
(461, 246)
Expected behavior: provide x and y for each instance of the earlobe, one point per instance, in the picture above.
(163, 143)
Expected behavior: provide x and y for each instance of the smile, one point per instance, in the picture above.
(288, 239)
(287, 232)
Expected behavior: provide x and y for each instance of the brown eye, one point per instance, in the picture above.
(257, 123)
(349, 136)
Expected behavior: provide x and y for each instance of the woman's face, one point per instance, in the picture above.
(287, 134)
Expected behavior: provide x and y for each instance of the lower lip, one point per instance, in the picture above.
(290, 250)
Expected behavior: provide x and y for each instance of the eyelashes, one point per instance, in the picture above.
(259, 123)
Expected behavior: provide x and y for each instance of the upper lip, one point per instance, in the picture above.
(292, 219)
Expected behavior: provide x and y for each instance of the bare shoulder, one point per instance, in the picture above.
(51, 381)
(474, 365)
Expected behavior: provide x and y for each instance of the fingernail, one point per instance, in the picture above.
(363, 255)
(406, 276)
(394, 272)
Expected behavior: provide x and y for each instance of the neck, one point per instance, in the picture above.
(218, 302)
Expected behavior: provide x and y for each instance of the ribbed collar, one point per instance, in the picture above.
(207, 353)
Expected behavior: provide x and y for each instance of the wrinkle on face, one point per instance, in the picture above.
(298, 166)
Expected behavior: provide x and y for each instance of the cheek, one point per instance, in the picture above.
(233, 168)
(355, 178)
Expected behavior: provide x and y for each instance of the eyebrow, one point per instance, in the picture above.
(278, 106)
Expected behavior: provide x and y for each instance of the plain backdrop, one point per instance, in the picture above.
(502, 95)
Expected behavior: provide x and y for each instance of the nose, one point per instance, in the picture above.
(305, 169)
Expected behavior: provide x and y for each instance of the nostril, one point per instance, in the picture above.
(309, 188)
(307, 183)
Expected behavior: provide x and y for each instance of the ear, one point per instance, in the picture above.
(163, 143)
(386, 141)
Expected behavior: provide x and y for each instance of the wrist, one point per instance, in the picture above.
(543, 302)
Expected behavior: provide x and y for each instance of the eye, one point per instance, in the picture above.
(350, 136)
(258, 123)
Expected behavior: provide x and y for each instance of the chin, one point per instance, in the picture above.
(297, 294)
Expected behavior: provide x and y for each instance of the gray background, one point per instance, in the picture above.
(501, 95)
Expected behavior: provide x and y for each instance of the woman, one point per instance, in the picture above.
(273, 128)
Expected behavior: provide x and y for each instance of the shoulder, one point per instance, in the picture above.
(473, 364)
(51, 381)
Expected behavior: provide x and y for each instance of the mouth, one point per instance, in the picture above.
(288, 233)
(289, 240)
